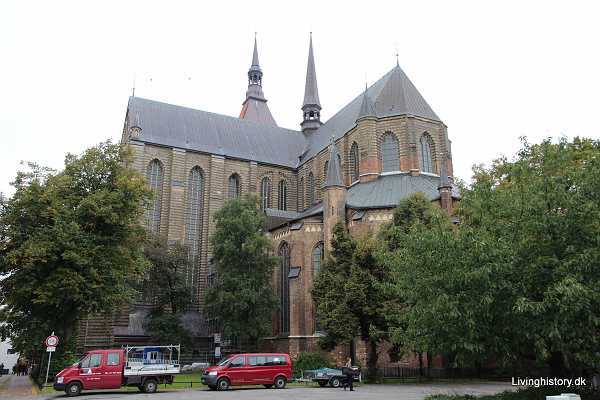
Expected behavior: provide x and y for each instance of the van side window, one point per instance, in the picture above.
(276, 360)
(257, 361)
(113, 359)
(92, 361)
(237, 362)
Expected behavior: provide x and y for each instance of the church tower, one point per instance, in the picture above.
(255, 106)
(311, 107)
(334, 197)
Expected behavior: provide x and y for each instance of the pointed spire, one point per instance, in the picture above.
(334, 169)
(311, 92)
(367, 108)
(311, 107)
(255, 65)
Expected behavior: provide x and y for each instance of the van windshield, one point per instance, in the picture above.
(225, 361)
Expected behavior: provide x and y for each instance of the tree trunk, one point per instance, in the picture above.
(420, 364)
(557, 364)
(428, 364)
(372, 359)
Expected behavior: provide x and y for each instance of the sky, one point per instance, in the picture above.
(493, 71)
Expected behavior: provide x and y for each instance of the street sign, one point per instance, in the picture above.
(217, 337)
(217, 352)
(50, 349)
(51, 341)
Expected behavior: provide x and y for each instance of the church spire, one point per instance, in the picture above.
(255, 106)
(311, 107)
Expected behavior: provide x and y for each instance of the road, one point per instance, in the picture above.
(16, 387)
(370, 392)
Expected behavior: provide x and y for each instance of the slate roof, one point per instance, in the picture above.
(334, 169)
(387, 190)
(277, 218)
(185, 128)
(393, 94)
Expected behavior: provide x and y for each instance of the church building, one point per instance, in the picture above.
(384, 145)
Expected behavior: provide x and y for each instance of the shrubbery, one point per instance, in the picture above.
(307, 361)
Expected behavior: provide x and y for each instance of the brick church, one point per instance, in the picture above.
(384, 145)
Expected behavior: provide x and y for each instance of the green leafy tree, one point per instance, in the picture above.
(165, 286)
(242, 295)
(352, 294)
(70, 244)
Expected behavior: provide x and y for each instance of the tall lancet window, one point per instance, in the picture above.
(284, 288)
(301, 195)
(390, 153)
(154, 174)
(193, 222)
(265, 193)
(311, 189)
(317, 261)
(325, 167)
(426, 159)
(354, 163)
(282, 196)
(234, 186)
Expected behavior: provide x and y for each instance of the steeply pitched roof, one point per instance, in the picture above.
(334, 169)
(186, 128)
(255, 106)
(311, 92)
(386, 191)
(367, 109)
(393, 94)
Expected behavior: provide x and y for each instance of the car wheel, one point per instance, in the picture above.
(150, 386)
(268, 386)
(334, 382)
(73, 389)
(280, 382)
(322, 383)
(223, 384)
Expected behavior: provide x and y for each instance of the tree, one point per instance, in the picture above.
(352, 294)
(71, 244)
(242, 296)
(165, 286)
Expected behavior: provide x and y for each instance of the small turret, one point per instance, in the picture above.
(334, 196)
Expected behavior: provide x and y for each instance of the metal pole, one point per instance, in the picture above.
(48, 368)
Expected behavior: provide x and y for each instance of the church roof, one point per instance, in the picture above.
(387, 190)
(393, 94)
(185, 128)
(257, 110)
(334, 169)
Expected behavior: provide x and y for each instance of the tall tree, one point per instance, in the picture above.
(166, 285)
(352, 294)
(242, 295)
(70, 243)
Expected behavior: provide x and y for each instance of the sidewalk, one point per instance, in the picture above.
(17, 387)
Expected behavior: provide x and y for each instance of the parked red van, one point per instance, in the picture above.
(267, 369)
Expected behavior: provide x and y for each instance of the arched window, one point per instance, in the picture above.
(426, 160)
(282, 195)
(390, 153)
(193, 221)
(284, 289)
(234, 186)
(154, 174)
(354, 163)
(265, 193)
(317, 258)
(301, 194)
(325, 167)
(311, 189)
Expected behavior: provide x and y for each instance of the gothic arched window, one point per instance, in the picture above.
(354, 163)
(426, 160)
(154, 174)
(282, 196)
(284, 289)
(193, 221)
(234, 186)
(311, 189)
(325, 166)
(265, 193)
(317, 258)
(301, 195)
(390, 153)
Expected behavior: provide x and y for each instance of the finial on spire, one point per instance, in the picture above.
(397, 60)
(133, 91)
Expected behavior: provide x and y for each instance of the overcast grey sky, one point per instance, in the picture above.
(492, 71)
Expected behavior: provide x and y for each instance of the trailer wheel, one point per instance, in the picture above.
(73, 389)
(223, 384)
(334, 382)
(150, 386)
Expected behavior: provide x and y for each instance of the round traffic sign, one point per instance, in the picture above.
(51, 341)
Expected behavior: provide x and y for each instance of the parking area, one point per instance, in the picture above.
(375, 392)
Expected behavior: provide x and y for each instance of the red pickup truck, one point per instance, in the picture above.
(142, 366)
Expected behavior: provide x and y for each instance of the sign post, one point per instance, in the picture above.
(51, 343)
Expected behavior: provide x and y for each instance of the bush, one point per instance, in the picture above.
(307, 361)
